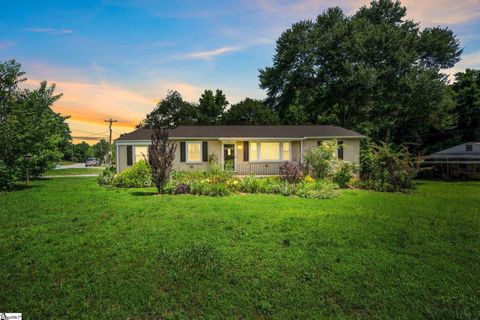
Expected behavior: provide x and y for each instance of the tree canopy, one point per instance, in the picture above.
(170, 112)
(249, 112)
(466, 90)
(211, 107)
(374, 71)
(28, 125)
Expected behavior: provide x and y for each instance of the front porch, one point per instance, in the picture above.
(258, 168)
(259, 157)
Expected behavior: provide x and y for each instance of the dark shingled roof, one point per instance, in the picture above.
(246, 132)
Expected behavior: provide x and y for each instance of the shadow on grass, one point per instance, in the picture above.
(451, 181)
(143, 193)
(21, 187)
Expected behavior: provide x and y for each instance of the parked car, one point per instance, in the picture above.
(91, 162)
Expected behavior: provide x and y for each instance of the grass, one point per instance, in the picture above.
(70, 249)
(73, 171)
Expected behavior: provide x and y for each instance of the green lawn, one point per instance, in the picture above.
(66, 162)
(70, 249)
(74, 171)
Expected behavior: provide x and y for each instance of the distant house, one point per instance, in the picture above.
(240, 149)
(459, 162)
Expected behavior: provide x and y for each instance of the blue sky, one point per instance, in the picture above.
(118, 58)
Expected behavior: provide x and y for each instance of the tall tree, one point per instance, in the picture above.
(100, 150)
(171, 112)
(374, 71)
(466, 90)
(249, 112)
(161, 155)
(211, 107)
(82, 151)
(28, 125)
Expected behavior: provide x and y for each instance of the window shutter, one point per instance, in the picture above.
(340, 150)
(245, 151)
(205, 151)
(183, 151)
(129, 155)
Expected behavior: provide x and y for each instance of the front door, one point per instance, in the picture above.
(229, 157)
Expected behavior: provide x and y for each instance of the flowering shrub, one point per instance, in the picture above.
(309, 179)
(182, 189)
(344, 173)
(291, 172)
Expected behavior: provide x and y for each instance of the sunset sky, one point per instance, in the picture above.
(118, 58)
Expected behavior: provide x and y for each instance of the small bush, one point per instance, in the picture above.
(318, 190)
(252, 184)
(137, 176)
(182, 189)
(344, 172)
(206, 188)
(169, 187)
(216, 174)
(320, 160)
(291, 172)
(7, 177)
(387, 169)
(249, 184)
(106, 177)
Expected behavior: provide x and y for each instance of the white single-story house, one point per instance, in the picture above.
(459, 162)
(241, 149)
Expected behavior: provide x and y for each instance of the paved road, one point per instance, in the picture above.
(70, 166)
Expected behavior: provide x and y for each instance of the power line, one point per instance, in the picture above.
(110, 122)
(85, 131)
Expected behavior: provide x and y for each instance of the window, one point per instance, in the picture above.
(194, 152)
(469, 147)
(253, 151)
(340, 150)
(286, 151)
(270, 151)
(129, 155)
(141, 152)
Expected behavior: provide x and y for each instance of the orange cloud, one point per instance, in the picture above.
(89, 104)
(95, 102)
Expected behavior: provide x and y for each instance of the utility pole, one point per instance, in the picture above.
(110, 121)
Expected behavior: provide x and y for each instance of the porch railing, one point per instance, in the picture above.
(258, 168)
(261, 168)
